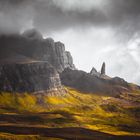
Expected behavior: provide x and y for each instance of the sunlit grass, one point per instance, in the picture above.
(7, 136)
(75, 109)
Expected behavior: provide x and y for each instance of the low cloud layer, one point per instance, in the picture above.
(52, 15)
(93, 30)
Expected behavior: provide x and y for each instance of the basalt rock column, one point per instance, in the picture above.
(103, 69)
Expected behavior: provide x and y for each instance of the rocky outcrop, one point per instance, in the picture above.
(94, 72)
(29, 63)
(119, 81)
(101, 74)
(88, 83)
(103, 69)
(64, 58)
(29, 77)
(32, 45)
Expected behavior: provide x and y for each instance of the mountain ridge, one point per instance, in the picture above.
(31, 47)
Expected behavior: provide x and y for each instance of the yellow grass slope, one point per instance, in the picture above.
(116, 116)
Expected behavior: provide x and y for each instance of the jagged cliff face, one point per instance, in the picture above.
(33, 46)
(29, 63)
(29, 77)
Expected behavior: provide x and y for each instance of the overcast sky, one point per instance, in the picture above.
(92, 30)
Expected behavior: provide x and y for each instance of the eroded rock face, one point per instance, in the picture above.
(31, 45)
(64, 58)
(103, 69)
(28, 77)
(94, 72)
(101, 74)
(30, 63)
(88, 83)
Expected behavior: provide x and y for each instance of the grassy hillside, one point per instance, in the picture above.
(6, 136)
(116, 116)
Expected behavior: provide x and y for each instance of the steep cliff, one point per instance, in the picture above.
(28, 77)
(28, 62)
(32, 45)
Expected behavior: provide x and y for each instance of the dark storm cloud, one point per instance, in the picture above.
(15, 15)
(12, 1)
(53, 15)
(54, 18)
(125, 16)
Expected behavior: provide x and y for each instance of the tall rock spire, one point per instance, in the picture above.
(103, 69)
